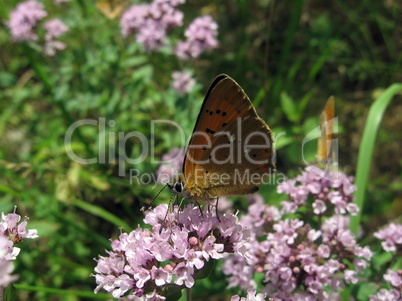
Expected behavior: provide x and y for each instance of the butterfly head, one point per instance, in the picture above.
(178, 186)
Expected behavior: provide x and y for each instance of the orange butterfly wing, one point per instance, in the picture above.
(230, 144)
(110, 9)
(327, 128)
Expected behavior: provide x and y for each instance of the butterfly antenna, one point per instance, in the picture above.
(153, 200)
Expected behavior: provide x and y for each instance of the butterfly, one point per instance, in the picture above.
(231, 149)
(325, 141)
(111, 9)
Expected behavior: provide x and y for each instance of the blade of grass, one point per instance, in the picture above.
(367, 146)
(95, 210)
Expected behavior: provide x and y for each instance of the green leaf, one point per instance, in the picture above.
(289, 107)
(367, 147)
(134, 61)
(95, 210)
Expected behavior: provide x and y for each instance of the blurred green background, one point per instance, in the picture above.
(289, 57)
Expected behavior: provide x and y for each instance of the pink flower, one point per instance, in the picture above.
(183, 83)
(54, 28)
(394, 277)
(150, 22)
(6, 268)
(386, 295)
(391, 237)
(201, 36)
(23, 20)
(329, 191)
(187, 239)
(251, 296)
(300, 259)
(11, 233)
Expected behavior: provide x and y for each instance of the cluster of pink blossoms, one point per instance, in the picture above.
(24, 23)
(327, 191)
(302, 260)
(146, 262)
(10, 234)
(391, 237)
(151, 22)
(23, 20)
(394, 294)
(201, 36)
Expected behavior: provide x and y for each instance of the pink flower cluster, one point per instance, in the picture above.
(54, 29)
(394, 294)
(24, 22)
(10, 234)
(182, 82)
(201, 36)
(145, 262)
(300, 260)
(391, 237)
(391, 241)
(151, 22)
(327, 190)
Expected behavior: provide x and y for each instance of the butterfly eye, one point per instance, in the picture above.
(178, 186)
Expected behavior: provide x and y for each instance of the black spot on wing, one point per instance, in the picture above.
(209, 131)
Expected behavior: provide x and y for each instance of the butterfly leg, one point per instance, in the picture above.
(199, 207)
(170, 206)
(216, 209)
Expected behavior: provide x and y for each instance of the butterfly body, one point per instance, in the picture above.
(231, 150)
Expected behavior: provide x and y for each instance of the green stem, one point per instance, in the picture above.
(102, 213)
(188, 294)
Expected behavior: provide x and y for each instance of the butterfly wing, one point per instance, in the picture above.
(327, 128)
(230, 144)
(110, 9)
